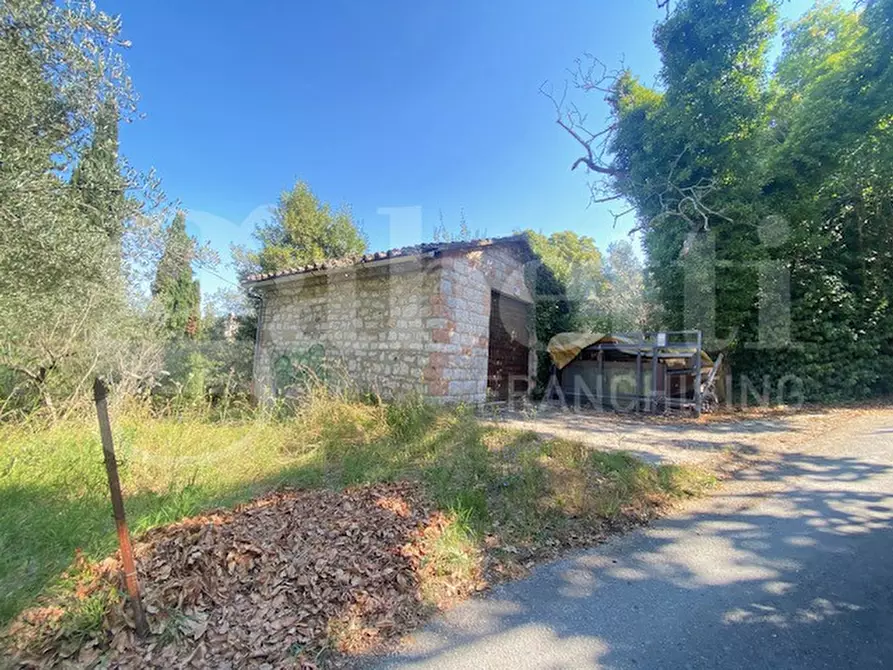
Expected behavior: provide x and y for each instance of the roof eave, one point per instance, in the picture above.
(386, 257)
(295, 276)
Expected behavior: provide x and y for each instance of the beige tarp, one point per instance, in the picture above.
(565, 347)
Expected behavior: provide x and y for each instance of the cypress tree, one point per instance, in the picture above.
(97, 176)
(175, 289)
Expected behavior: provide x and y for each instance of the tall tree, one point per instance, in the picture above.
(829, 175)
(61, 294)
(175, 289)
(625, 305)
(568, 284)
(97, 178)
(302, 230)
(570, 290)
(753, 184)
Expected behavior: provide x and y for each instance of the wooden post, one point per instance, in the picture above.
(100, 395)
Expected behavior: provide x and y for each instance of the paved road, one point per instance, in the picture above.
(788, 566)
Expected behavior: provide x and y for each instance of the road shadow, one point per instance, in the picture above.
(768, 573)
(692, 451)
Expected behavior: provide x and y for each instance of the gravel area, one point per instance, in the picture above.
(677, 439)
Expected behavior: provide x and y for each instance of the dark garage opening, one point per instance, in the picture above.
(509, 352)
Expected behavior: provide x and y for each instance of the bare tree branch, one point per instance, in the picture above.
(678, 199)
(596, 200)
(620, 215)
(593, 77)
(572, 122)
(688, 203)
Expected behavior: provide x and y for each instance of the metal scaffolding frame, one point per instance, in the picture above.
(687, 345)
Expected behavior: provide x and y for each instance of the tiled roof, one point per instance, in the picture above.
(416, 250)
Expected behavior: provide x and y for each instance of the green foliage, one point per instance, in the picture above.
(687, 155)
(626, 305)
(196, 377)
(303, 230)
(64, 309)
(175, 290)
(574, 260)
(205, 376)
(97, 177)
(576, 290)
(231, 314)
(828, 172)
(556, 310)
(570, 281)
(726, 148)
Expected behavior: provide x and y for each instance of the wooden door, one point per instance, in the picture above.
(509, 350)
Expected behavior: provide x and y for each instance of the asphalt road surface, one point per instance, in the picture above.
(788, 566)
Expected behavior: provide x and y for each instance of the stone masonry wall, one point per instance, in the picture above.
(370, 324)
(458, 369)
(418, 326)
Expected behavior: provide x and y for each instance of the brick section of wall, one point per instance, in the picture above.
(467, 280)
(419, 326)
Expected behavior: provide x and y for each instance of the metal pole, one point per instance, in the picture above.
(699, 396)
(600, 385)
(100, 395)
(654, 371)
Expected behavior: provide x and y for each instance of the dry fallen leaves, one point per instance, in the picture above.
(268, 584)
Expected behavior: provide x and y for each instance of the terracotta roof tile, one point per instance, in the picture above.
(415, 250)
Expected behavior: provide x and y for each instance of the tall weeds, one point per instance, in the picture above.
(179, 460)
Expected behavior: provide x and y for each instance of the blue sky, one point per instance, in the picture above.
(400, 109)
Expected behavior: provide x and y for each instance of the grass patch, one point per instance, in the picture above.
(505, 491)
(451, 563)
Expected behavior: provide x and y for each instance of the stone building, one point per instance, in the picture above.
(448, 321)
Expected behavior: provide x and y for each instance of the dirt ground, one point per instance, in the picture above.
(680, 439)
